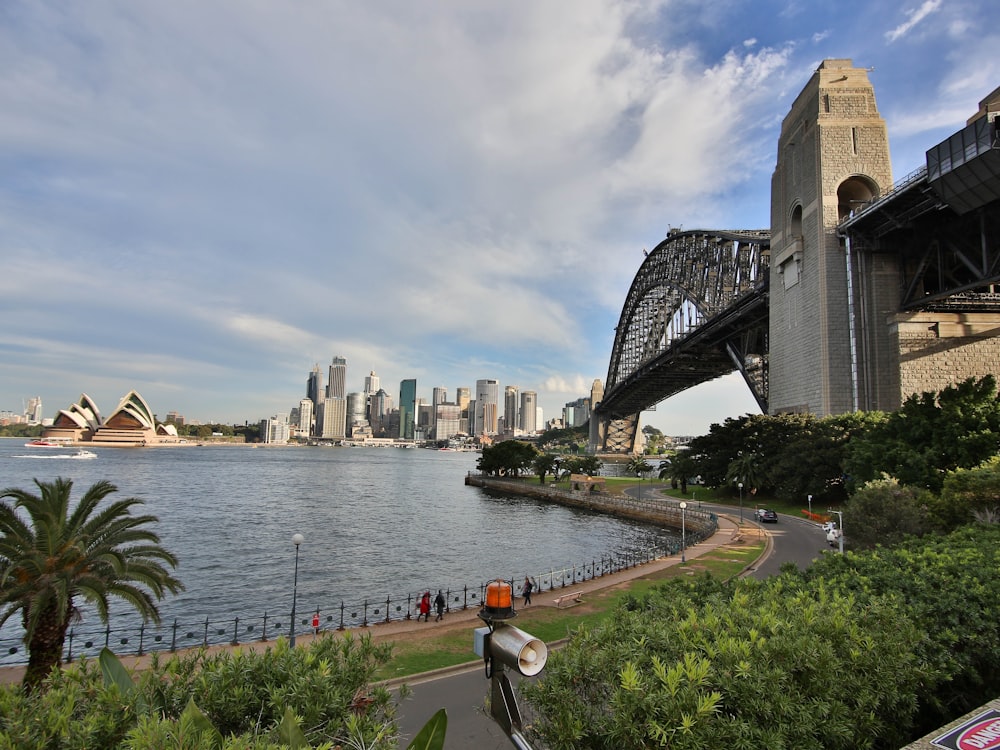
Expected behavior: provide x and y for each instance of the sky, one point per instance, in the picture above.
(202, 201)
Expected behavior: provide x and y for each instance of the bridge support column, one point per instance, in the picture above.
(938, 349)
(615, 434)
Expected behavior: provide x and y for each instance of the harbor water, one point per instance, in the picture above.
(379, 524)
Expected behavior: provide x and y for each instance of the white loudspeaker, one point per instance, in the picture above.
(518, 650)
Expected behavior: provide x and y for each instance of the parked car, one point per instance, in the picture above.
(765, 515)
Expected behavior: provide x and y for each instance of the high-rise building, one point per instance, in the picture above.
(407, 408)
(332, 419)
(275, 429)
(371, 388)
(510, 409)
(487, 406)
(379, 405)
(447, 421)
(314, 388)
(337, 387)
(33, 412)
(305, 423)
(355, 412)
(529, 404)
(462, 398)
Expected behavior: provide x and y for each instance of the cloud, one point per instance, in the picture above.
(914, 17)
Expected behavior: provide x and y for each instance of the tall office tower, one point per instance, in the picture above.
(314, 388)
(510, 408)
(355, 411)
(529, 403)
(305, 416)
(407, 408)
(371, 388)
(379, 404)
(462, 398)
(337, 387)
(487, 406)
(439, 395)
(33, 412)
(425, 420)
(333, 419)
(447, 421)
(471, 419)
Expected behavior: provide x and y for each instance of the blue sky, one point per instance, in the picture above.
(201, 201)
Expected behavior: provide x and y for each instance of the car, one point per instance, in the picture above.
(764, 515)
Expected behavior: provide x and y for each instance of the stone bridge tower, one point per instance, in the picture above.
(833, 157)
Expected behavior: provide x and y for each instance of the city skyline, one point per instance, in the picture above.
(200, 201)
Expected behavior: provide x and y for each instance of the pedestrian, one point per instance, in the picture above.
(439, 606)
(526, 590)
(425, 607)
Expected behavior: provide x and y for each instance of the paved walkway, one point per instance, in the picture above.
(728, 529)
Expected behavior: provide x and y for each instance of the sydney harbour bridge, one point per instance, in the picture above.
(861, 292)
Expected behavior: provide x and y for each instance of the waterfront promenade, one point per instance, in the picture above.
(406, 629)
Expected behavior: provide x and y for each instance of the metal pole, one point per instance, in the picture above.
(296, 540)
(741, 502)
(683, 532)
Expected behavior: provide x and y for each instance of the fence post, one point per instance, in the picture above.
(173, 638)
(236, 632)
(142, 632)
(387, 609)
(341, 615)
(205, 641)
(364, 623)
(107, 635)
(263, 634)
(69, 656)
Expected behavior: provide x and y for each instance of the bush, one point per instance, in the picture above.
(241, 695)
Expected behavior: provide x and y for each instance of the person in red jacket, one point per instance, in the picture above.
(425, 607)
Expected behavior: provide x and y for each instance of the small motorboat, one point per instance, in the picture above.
(43, 443)
(84, 454)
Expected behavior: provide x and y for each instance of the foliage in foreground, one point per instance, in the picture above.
(240, 699)
(864, 650)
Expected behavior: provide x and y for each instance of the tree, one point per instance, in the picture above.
(57, 555)
(509, 458)
(885, 512)
(639, 465)
(543, 464)
(930, 435)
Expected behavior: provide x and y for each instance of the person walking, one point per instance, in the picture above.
(439, 606)
(425, 607)
(526, 590)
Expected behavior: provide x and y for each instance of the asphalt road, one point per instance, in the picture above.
(463, 694)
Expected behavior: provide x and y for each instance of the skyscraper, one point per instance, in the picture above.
(338, 378)
(529, 405)
(487, 406)
(510, 409)
(314, 387)
(334, 414)
(407, 408)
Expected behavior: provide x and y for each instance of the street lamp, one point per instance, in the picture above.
(810, 506)
(296, 540)
(684, 506)
(741, 501)
(639, 474)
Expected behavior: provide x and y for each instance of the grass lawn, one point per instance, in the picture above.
(414, 653)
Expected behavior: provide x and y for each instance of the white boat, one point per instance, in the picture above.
(84, 454)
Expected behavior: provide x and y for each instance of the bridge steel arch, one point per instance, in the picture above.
(697, 309)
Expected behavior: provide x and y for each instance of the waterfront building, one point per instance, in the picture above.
(462, 398)
(274, 431)
(529, 405)
(576, 413)
(407, 408)
(370, 389)
(332, 419)
(131, 423)
(380, 404)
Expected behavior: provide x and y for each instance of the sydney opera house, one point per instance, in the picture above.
(131, 424)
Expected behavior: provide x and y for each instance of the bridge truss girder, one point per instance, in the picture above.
(697, 309)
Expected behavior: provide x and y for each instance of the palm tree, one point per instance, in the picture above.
(50, 555)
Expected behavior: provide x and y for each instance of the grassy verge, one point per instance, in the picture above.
(445, 647)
